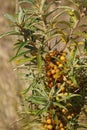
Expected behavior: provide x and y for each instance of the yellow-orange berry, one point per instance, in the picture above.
(51, 54)
(62, 129)
(49, 127)
(62, 58)
(63, 111)
(60, 65)
(61, 125)
(48, 121)
(69, 117)
(63, 89)
(48, 73)
(53, 71)
(57, 62)
(51, 65)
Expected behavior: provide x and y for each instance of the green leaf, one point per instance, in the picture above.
(80, 33)
(30, 87)
(38, 100)
(73, 2)
(59, 105)
(41, 91)
(77, 14)
(85, 46)
(64, 22)
(9, 33)
(81, 125)
(72, 56)
(74, 81)
(59, 14)
(59, 7)
(24, 60)
(21, 16)
(39, 62)
(20, 54)
(21, 45)
(69, 96)
(27, 1)
(10, 17)
(42, 5)
(44, 109)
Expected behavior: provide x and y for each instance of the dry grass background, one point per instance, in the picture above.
(9, 82)
(10, 85)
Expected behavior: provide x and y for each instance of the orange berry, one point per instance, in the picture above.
(57, 128)
(49, 127)
(48, 73)
(57, 62)
(50, 79)
(53, 71)
(48, 58)
(57, 70)
(63, 111)
(55, 67)
(55, 76)
(51, 85)
(51, 54)
(56, 52)
(63, 89)
(48, 121)
(62, 129)
(66, 94)
(45, 126)
(72, 114)
(69, 117)
(61, 125)
(60, 65)
(62, 58)
(53, 121)
(51, 65)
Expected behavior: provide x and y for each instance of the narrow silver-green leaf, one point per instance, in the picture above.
(39, 62)
(9, 33)
(10, 17)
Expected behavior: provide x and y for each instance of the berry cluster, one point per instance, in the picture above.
(56, 76)
(55, 62)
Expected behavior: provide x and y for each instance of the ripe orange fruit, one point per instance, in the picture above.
(62, 58)
(51, 54)
(53, 121)
(51, 65)
(48, 121)
(57, 70)
(62, 129)
(72, 114)
(69, 117)
(49, 127)
(48, 73)
(45, 126)
(55, 67)
(61, 125)
(66, 94)
(53, 71)
(63, 89)
(60, 65)
(57, 62)
(55, 76)
(50, 85)
(47, 58)
(63, 111)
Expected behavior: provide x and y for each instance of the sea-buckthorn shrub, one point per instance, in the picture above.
(51, 49)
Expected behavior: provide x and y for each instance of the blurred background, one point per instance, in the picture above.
(10, 84)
